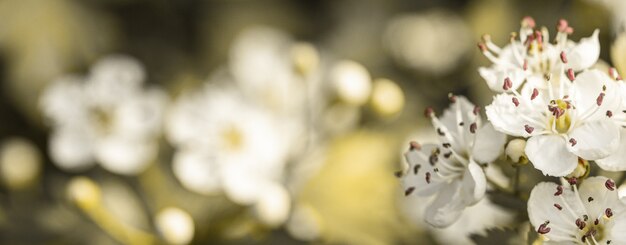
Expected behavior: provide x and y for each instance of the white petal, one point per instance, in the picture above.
(447, 206)
(549, 154)
(595, 140)
(474, 184)
(488, 144)
(585, 91)
(585, 53)
(617, 234)
(141, 115)
(415, 177)
(71, 150)
(507, 118)
(114, 78)
(274, 205)
(541, 209)
(123, 155)
(495, 75)
(617, 160)
(63, 101)
(603, 198)
(241, 185)
(196, 171)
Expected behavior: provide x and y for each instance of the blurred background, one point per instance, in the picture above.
(244, 122)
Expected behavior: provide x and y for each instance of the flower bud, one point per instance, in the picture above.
(175, 225)
(84, 192)
(387, 98)
(515, 151)
(581, 171)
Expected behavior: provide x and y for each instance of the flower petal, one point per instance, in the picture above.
(495, 75)
(511, 119)
(419, 166)
(488, 144)
(71, 150)
(474, 184)
(459, 112)
(585, 53)
(124, 155)
(595, 140)
(541, 209)
(617, 160)
(549, 154)
(585, 92)
(594, 187)
(197, 171)
(447, 206)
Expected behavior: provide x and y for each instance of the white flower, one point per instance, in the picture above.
(533, 56)
(106, 117)
(592, 214)
(576, 120)
(226, 143)
(450, 170)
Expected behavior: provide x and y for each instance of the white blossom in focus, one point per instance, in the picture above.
(531, 57)
(577, 120)
(452, 170)
(107, 117)
(591, 214)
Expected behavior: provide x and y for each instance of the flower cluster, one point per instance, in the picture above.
(559, 113)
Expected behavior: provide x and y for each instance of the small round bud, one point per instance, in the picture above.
(175, 225)
(84, 192)
(581, 171)
(387, 98)
(20, 163)
(515, 151)
(305, 58)
(273, 205)
(352, 82)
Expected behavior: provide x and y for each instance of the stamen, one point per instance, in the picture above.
(398, 174)
(563, 57)
(590, 199)
(581, 224)
(608, 212)
(414, 146)
(473, 128)
(408, 191)
(515, 101)
(428, 177)
(609, 184)
(543, 228)
(557, 206)
(428, 112)
(452, 98)
(609, 113)
(508, 84)
(416, 168)
(534, 94)
(572, 141)
(600, 99)
(476, 110)
(559, 190)
(528, 129)
(570, 74)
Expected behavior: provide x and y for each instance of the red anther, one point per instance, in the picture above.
(570, 74)
(600, 99)
(609, 114)
(528, 129)
(525, 65)
(580, 224)
(534, 94)
(476, 110)
(572, 181)
(563, 57)
(515, 101)
(428, 177)
(482, 47)
(452, 98)
(562, 25)
(473, 128)
(609, 184)
(428, 112)
(508, 84)
(408, 191)
(528, 21)
(538, 37)
(559, 190)
(414, 146)
(557, 206)
(543, 229)
(572, 141)
(608, 212)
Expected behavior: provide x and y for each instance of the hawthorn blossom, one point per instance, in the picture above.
(591, 214)
(575, 122)
(225, 143)
(452, 170)
(106, 117)
(530, 56)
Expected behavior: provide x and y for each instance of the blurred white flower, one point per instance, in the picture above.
(20, 163)
(592, 214)
(434, 41)
(574, 121)
(175, 225)
(351, 81)
(450, 170)
(106, 117)
(531, 58)
(226, 143)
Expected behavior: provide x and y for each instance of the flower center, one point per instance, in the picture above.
(232, 138)
(103, 120)
(593, 231)
(561, 120)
